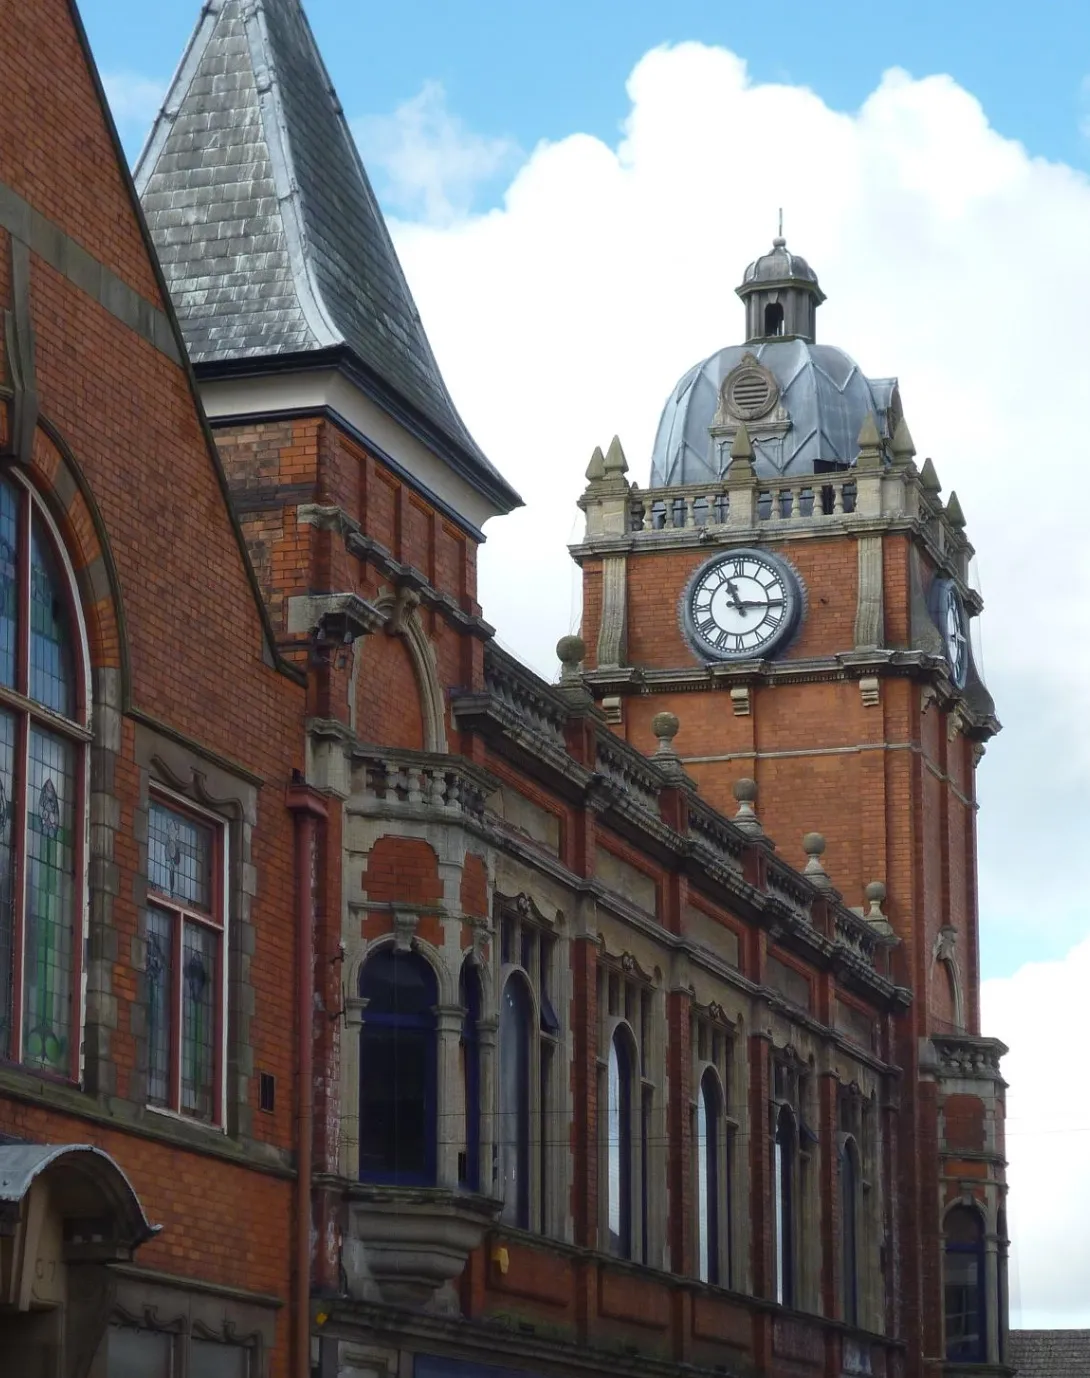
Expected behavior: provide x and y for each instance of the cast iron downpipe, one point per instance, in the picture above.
(308, 808)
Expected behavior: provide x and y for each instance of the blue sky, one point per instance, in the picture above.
(573, 202)
(529, 71)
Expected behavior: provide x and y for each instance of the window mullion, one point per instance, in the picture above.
(19, 850)
(176, 1014)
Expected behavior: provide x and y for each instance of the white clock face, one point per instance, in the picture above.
(741, 605)
(953, 625)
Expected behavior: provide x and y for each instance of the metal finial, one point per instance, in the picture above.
(781, 223)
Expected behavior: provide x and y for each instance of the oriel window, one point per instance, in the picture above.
(185, 962)
(43, 736)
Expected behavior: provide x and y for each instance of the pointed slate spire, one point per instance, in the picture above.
(954, 515)
(903, 447)
(269, 233)
(596, 469)
(929, 478)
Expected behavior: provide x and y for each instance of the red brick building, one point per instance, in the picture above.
(373, 1006)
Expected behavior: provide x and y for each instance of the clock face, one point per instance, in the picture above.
(954, 627)
(741, 605)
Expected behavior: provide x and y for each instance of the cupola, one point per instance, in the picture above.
(781, 295)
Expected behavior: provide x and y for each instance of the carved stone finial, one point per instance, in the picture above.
(954, 515)
(745, 791)
(615, 462)
(902, 446)
(596, 469)
(813, 844)
(665, 727)
(870, 444)
(570, 651)
(741, 447)
(929, 477)
(875, 894)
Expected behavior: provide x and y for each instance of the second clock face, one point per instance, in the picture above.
(741, 605)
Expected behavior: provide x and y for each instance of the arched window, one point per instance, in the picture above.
(963, 1290)
(849, 1231)
(42, 793)
(784, 1154)
(469, 1160)
(773, 318)
(709, 1185)
(397, 1068)
(619, 1146)
(513, 1116)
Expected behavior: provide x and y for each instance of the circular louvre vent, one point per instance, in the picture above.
(750, 392)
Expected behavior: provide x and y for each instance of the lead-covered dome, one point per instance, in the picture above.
(803, 404)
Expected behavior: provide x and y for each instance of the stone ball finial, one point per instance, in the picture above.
(745, 791)
(876, 896)
(813, 844)
(570, 651)
(665, 727)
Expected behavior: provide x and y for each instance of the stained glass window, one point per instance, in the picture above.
(184, 963)
(42, 793)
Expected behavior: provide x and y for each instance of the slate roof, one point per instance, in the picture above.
(269, 234)
(1050, 1353)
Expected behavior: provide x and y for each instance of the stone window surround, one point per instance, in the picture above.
(184, 1309)
(730, 1073)
(83, 716)
(450, 1107)
(649, 1076)
(800, 1099)
(860, 1111)
(170, 769)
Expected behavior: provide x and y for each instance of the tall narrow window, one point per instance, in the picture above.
(42, 793)
(469, 1172)
(849, 1231)
(619, 1147)
(185, 963)
(530, 1082)
(397, 1068)
(783, 1186)
(963, 1291)
(709, 1133)
(773, 318)
(513, 1116)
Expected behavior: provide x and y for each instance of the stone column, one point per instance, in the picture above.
(449, 1094)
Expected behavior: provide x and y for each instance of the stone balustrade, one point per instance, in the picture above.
(630, 770)
(539, 709)
(810, 500)
(384, 780)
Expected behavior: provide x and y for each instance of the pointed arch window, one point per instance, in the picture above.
(398, 1068)
(43, 732)
(784, 1168)
(964, 1286)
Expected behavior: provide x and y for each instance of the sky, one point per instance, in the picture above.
(574, 191)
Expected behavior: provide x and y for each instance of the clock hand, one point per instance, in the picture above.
(772, 603)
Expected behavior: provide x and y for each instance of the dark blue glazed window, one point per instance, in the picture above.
(397, 1069)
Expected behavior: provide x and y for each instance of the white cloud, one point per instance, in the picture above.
(429, 163)
(951, 258)
(1039, 1013)
(134, 99)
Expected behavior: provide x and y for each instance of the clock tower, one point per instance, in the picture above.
(793, 587)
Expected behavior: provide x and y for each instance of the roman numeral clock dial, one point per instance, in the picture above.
(741, 606)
